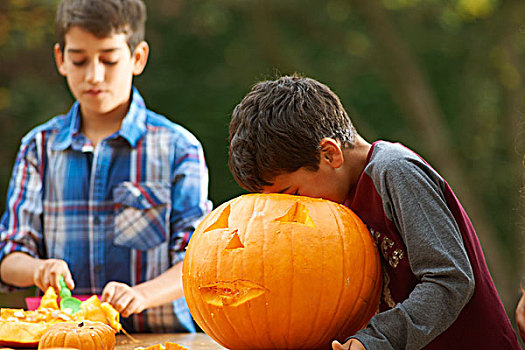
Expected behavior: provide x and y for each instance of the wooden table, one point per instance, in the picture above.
(197, 341)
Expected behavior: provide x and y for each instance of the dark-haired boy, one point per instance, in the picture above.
(108, 194)
(292, 135)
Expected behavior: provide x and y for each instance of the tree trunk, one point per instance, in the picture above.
(415, 96)
(512, 34)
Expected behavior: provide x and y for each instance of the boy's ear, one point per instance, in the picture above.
(331, 152)
(140, 57)
(59, 59)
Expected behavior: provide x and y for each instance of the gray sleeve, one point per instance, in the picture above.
(413, 199)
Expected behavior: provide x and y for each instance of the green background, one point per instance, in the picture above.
(445, 77)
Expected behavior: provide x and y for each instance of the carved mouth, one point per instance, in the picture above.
(231, 293)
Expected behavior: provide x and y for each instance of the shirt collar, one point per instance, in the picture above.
(134, 124)
(132, 129)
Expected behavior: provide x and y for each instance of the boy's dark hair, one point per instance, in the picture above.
(278, 126)
(102, 18)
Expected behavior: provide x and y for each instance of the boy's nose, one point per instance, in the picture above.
(95, 72)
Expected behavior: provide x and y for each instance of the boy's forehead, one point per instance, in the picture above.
(280, 183)
(79, 38)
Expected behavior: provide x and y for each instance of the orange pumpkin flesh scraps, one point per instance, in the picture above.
(49, 300)
(23, 328)
(167, 346)
(21, 334)
(93, 310)
(276, 271)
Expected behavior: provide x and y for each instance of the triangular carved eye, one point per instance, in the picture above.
(222, 221)
(298, 213)
(235, 241)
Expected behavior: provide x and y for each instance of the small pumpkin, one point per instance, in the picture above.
(279, 271)
(84, 335)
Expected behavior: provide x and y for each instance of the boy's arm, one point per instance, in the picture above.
(17, 269)
(161, 290)
(414, 200)
(21, 225)
(21, 270)
(189, 196)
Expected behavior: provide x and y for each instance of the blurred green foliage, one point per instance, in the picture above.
(206, 54)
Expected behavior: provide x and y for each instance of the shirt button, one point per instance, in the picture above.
(97, 268)
(96, 220)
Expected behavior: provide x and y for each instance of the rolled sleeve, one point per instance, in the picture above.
(189, 194)
(21, 224)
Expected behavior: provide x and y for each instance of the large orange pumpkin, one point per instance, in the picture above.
(280, 271)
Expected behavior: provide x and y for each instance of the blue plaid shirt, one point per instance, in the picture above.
(121, 211)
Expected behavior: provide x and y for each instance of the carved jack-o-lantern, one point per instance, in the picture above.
(281, 271)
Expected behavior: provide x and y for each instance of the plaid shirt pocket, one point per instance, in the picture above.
(141, 214)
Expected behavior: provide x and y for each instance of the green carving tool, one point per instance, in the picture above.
(68, 304)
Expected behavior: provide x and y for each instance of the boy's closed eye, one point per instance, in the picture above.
(80, 63)
(108, 57)
(288, 190)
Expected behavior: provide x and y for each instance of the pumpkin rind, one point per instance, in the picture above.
(281, 271)
(20, 334)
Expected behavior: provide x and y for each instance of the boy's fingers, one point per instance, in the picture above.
(336, 345)
(126, 305)
(69, 281)
(53, 280)
(38, 277)
(349, 345)
(354, 345)
(121, 302)
(108, 293)
(113, 292)
(133, 308)
(48, 280)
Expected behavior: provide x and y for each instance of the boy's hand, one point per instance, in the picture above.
(47, 271)
(520, 316)
(352, 344)
(124, 298)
